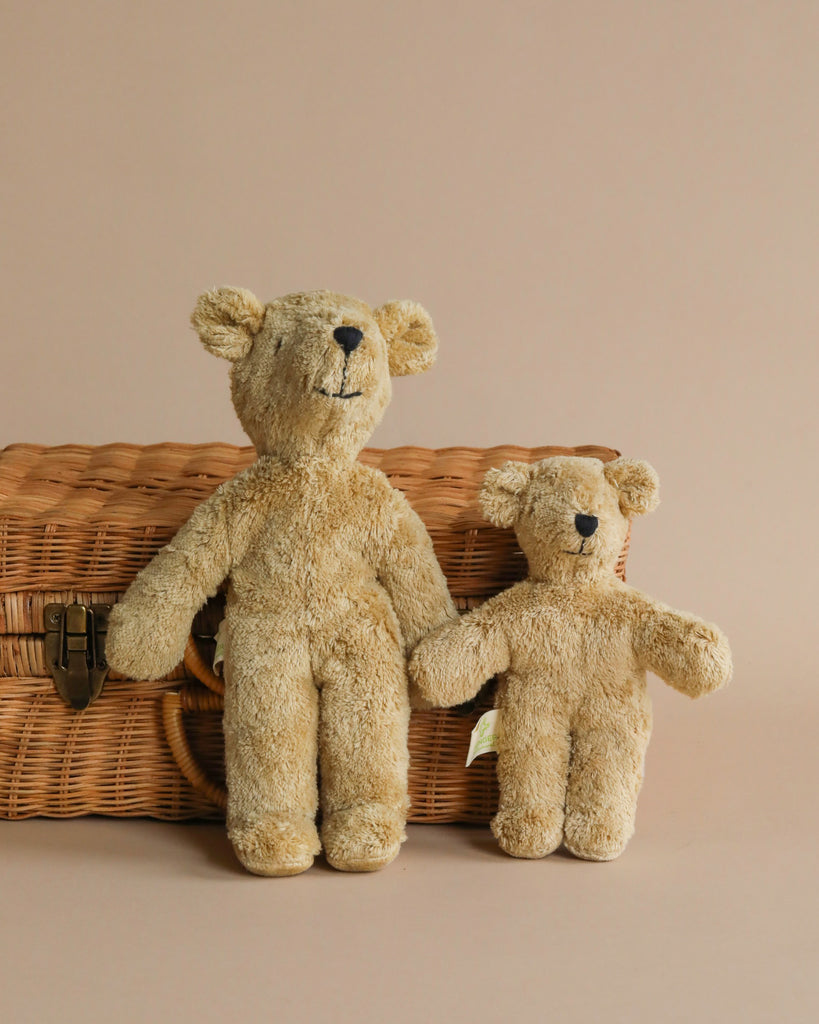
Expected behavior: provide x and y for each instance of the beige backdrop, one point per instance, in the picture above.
(610, 209)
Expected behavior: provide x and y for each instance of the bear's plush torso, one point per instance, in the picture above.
(570, 644)
(310, 547)
(571, 654)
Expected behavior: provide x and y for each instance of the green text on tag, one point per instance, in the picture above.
(484, 736)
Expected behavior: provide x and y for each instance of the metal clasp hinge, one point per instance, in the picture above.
(75, 650)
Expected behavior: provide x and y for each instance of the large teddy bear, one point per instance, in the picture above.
(572, 645)
(332, 580)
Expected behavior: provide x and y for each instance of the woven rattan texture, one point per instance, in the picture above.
(76, 516)
(113, 758)
(110, 759)
(76, 524)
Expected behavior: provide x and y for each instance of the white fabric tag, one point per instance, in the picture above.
(484, 736)
(219, 653)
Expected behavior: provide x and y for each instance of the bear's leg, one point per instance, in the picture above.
(606, 771)
(533, 761)
(363, 748)
(271, 728)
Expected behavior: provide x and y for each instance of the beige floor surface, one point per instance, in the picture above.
(710, 915)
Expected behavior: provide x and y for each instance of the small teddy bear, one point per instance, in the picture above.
(332, 580)
(572, 645)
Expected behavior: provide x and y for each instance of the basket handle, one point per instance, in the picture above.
(199, 668)
(174, 706)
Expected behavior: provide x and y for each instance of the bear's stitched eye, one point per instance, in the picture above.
(278, 344)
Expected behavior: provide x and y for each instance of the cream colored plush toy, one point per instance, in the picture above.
(572, 645)
(332, 580)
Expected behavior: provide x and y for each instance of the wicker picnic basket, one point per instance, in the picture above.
(76, 525)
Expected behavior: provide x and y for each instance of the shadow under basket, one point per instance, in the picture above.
(76, 525)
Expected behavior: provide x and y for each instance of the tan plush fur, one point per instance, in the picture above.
(572, 645)
(332, 581)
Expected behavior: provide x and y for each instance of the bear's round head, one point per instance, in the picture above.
(571, 515)
(311, 371)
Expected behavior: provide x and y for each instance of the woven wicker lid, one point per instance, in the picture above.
(84, 517)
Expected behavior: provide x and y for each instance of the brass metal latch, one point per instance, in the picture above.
(75, 650)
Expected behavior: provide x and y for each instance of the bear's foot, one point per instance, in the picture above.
(528, 833)
(597, 836)
(363, 838)
(276, 846)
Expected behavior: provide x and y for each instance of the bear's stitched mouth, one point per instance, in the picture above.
(585, 554)
(338, 394)
(341, 393)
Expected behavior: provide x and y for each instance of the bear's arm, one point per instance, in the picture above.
(408, 570)
(686, 652)
(149, 628)
(452, 664)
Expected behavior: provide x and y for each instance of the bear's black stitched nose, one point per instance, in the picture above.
(586, 525)
(349, 338)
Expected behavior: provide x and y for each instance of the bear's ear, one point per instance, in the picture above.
(411, 340)
(502, 493)
(637, 483)
(227, 320)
